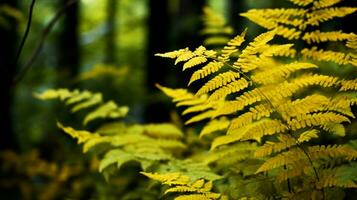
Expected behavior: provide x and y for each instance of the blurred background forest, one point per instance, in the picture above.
(105, 46)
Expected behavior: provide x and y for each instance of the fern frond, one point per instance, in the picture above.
(330, 179)
(218, 81)
(194, 62)
(334, 151)
(317, 36)
(210, 68)
(283, 71)
(164, 130)
(254, 131)
(285, 142)
(255, 113)
(199, 108)
(176, 94)
(317, 119)
(325, 14)
(352, 42)
(335, 128)
(348, 85)
(234, 153)
(328, 56)
(81, 136)
(107, 110)
(289, 157)
(234, 86)
(169, 178)
(231, 46)
(214, 126)
(173, 54)
(205, 115)
(325, 3)
(301, 2)
(288, 33)
(299, 169)
(308, 135)
(198, 196)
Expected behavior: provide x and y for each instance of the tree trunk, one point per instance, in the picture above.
(235, 8)
(69, 56)
(111, 50)
(8, 36)
(157, 68)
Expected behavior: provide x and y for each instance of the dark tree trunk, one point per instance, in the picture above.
(236, 7)
(68, 55)
(157, 68)
(170, 28)
(111, 50)
(7, 71)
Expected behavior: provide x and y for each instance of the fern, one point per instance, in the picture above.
(181, 184)
(273, 103)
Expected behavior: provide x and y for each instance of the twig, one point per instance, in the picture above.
(28, 26)
(39, 46)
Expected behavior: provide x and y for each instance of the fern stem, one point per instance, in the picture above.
(288, 181)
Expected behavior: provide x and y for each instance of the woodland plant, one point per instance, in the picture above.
(275, 119)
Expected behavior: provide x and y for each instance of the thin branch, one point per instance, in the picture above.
(43, 37)
(28, 26)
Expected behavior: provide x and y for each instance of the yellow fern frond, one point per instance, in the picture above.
(168, 178)
(328, 56)
(348, 85)
(334, 151)
(317, 119)
(194, 62)
(289, 157)
(352, 42)
(199, 108)
(232, 45)
(311, 103)
(61, 94)
(330, 179)
(288, 33)
(325, 3)
(163, 131)
(210, 68)
(317, 36)
(177, 95)
(308, 135)
(335, 128)
(254, 131)
(283, 71)
(231, 153)
(212, 196)
(173, 54)
(301, 2)
(218, 81)
(235, 86)
(299, 169)
(205, 115)
(81, 136)
(214, 126)
(255, 113)
(107, 110)
(185, 56)
(285, 141)
(325, 14)
(193, 101)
